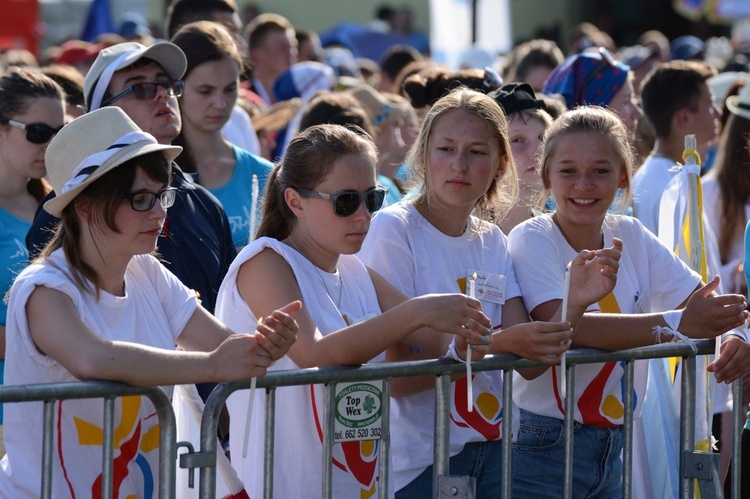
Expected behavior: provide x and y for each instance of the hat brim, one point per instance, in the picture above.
(277, 116)
(56, 205)
(735, 106)
(167, 55)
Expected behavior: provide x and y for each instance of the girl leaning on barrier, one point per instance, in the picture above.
(585, 159)
(318, 205)
(439, 243)
(97, 305)
(32, 111)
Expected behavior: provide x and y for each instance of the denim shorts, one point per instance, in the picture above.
(539, 459)
(481, 460)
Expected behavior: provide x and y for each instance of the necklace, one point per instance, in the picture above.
(339, 281)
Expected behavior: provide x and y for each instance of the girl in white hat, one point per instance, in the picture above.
(98, 305)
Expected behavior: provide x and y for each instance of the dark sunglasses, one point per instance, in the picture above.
(144, 201)
(147, 90)
(36, 133)
(608, 60)
(346, 203)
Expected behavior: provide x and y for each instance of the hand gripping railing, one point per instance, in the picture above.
(49, 393)
(205, 459)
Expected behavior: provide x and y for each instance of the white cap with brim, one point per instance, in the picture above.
(740, 104)
(91, 146)
(169, 56)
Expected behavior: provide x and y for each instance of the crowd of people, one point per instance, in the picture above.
(239, 199)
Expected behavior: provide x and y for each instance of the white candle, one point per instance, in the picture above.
(253, 223)
(249, 409)
(563, 318)
(469, 387)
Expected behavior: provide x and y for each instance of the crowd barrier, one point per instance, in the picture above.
(694, 466)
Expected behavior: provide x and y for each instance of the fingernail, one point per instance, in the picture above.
(473, 347)
(485, 339)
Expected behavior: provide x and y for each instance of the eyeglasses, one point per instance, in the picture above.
(148, 90)
(608, 60)
(346, 203)
(144, 201)
(36, 133)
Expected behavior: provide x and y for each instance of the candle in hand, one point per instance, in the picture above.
(563, 318)
(469, 388)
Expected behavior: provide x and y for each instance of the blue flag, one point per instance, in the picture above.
(98, 21)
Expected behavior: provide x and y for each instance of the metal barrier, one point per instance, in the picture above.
(51, 392)
(205, 459)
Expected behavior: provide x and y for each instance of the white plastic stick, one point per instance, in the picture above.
(563, 318)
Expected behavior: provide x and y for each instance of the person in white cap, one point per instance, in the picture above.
(196, 244)
(98, 305)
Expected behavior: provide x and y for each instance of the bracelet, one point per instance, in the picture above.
(673, 319)
(452, 353)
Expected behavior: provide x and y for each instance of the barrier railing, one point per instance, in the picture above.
(692, 466)
(205, 459)
(52, 392)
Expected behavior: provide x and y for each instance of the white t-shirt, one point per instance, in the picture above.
(299, 409)
(650, 278)
(649, 183)
(712, 199)
(418, 259)
(240, 132)
(154, 311)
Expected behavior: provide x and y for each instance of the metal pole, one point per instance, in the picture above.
(627, 449)
(268, 464)
(385, 441)
(687, 423)
(507, 445)
(47, 448)
(568, 429)
(442, 430)
(108, 429)
(330, 410)
(737, 409)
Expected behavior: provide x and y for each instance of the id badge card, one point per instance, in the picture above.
(489, 287)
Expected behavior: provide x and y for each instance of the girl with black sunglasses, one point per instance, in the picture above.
(443, 241)
(318, 204)
(32, 111)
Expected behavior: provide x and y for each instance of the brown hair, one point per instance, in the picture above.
(732, 170)
(104, 197)
(202, 41)
(493, 205)
(18, 90)
(308, 159)
(257, 30)
(672, 86)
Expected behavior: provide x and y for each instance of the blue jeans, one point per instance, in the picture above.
(539, 459)
(481, 460)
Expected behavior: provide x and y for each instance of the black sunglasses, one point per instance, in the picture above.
(346, 203)
(144, 201)
(36, 133)
(147, 90)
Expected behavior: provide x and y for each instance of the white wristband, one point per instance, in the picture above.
(673, 319)
(452, 353)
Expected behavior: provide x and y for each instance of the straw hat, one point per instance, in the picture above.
(169, 56)
(381, 111)
(277, 116)
(91, 146)
(740, 104)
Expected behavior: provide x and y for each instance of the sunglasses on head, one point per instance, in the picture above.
(347, 203)
(148, 90)
(36, 133)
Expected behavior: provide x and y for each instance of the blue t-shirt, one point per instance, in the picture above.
(236, 195)
(13, 258)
